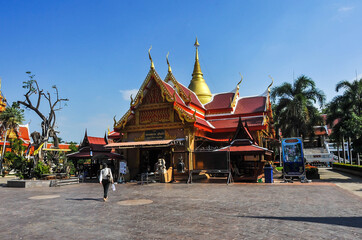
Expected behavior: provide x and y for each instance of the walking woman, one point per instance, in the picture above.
(105, 178)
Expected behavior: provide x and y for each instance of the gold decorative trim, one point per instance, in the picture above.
(168, 136)
(140, 138)
(180, 91)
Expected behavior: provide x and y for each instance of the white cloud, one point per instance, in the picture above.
(345, 9)
(127, 93)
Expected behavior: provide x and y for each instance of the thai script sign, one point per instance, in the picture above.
(155, 134)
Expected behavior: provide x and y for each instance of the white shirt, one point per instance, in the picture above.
(104, 173)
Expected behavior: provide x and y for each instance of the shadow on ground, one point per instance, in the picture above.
(342, 221)
(85, 199)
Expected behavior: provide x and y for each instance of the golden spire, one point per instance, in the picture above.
(168, 63)
(149, 55)
(198, 84)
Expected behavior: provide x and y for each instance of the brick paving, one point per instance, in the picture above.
(181, 211)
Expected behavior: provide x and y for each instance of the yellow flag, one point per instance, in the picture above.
(36, 151)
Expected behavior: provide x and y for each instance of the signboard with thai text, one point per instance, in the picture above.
(155, 134)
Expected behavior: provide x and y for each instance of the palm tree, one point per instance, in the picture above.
(9, 120)
(294, 110)
(347, 109)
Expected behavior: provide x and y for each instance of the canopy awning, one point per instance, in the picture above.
(145, 144)
(247, 149)
(85, 155)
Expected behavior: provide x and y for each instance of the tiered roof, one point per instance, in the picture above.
(220, 114)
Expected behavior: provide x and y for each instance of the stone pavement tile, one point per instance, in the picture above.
(181, 211)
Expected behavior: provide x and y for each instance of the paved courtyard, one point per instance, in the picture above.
(180, 211)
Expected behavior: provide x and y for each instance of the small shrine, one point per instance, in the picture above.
(93, 149)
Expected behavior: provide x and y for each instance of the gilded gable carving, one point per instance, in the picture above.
(131, 122)
(155, 115)
(153, 95)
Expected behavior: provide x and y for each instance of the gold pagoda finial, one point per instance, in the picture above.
(198, 84)
(149, 55)
(197, 51)
(0, 84)
(196, 43)
(270, 83)
(168, 63)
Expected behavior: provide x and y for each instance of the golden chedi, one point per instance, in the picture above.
(198, 84)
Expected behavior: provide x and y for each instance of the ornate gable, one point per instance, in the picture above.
(152, 91)
(154, 94)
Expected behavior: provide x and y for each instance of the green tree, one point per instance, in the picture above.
(346, 111)
(10, 120)
(73, 147)
(294, 107)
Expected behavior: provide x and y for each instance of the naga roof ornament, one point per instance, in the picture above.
(149, 55)
(270, 83)
(168, 63)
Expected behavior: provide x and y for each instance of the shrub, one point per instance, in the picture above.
(41, 169)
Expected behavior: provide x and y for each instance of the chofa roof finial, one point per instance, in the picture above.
(168, 63)
(149, 55)
(270, 83)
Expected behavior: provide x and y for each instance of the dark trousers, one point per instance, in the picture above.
(105, 183)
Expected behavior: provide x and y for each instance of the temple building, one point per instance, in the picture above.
(2, 100)
(173, 121)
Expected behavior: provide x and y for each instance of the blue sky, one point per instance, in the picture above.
(96, 51)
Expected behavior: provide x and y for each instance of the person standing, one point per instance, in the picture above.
(105, 178)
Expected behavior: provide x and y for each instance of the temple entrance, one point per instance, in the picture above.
(150, 156)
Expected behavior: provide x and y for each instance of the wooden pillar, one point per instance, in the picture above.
(190, 146)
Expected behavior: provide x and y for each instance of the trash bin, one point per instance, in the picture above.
(268, 173)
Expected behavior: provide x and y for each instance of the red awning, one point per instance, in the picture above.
(214, 139)
(247, 149)
(94, 155)
(144, 144)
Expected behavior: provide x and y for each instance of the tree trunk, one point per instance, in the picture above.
(338, 152)
(350, 150)
(344, 151)
(3, 152)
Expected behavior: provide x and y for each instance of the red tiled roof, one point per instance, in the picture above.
(61, 145)
(220, 101)
(114, 134)
(203, 122)
(250, 105)
(215, 139)
(233, 123)
(171, 91)
(97, 140)
(247, 148)
(194, 99)
(24, 133)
